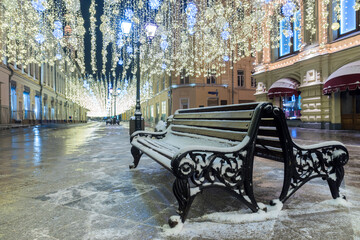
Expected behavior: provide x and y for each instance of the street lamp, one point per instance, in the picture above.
(114, 95)
(150, 30)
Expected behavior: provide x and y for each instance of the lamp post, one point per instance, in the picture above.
(114, 96)
(150, 30)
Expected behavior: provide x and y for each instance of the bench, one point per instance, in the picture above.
(215, 147)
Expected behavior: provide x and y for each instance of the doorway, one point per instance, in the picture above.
(350, 110)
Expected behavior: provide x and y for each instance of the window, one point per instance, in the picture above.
(157, 112)
(184, 103)
(213, 102)
(184, 79)
(37, 107)
(13, 103)
(290, 38)
(211, 79)
(26, 99)
(223, 102)
(349, 18)
(163, 110)
(241, 78)
(292, 106)
(253, 82)
(157, 86)
(151, 113)
(163, 83)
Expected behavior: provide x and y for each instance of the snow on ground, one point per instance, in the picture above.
(244, 224)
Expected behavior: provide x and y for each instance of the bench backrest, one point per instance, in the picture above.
(231, 122)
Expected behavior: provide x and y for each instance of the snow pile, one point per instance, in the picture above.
(203, 223)
(160, 126)
(241, 217)
(167, 231)
(338, 202)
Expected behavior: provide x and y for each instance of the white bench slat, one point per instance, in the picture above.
(169, 148)
(161, 159)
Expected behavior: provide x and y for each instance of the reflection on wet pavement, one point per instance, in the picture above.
(73, 182)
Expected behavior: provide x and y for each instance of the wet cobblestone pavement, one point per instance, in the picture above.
(73, 182)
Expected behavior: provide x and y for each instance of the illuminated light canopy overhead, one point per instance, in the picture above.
(38, 5)
(164, 45)
(288, 9)
(129, 14)
(154, 4)
(40, 38)
(129, 49)
(225, 35)
(58, 33)
(57, 24)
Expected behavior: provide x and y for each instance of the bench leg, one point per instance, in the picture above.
(181, 189)
(334, 185)
(136, 155)
(326, 162)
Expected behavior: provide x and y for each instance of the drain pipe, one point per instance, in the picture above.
(10, 76)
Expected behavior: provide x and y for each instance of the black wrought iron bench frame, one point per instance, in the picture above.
(198, 168)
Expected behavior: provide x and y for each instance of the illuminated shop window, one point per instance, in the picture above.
(292, 107)
(290, 37)
(37, 107)
(348, 16)
(347, 20)
(13, 103)
(26, 99)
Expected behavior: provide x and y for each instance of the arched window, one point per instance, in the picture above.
(290, 36)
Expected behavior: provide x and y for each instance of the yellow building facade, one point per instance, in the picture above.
(295, 76)
(170, 93)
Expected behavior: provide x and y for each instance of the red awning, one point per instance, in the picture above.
(345, 78)
(284, 87)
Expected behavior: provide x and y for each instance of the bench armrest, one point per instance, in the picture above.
(337, 151)
(195, 159)
(157, 135)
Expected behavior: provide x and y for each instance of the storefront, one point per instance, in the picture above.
(286, 95)
(346, 80)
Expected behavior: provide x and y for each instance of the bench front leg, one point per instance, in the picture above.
(181, 189)
(311, 162)
(197, 170)
(136, 153)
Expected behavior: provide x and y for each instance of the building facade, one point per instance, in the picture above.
(36, 94)
(170, 93)
(314, 74)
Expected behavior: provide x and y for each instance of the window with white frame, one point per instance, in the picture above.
(290, 38)
(241, 78)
